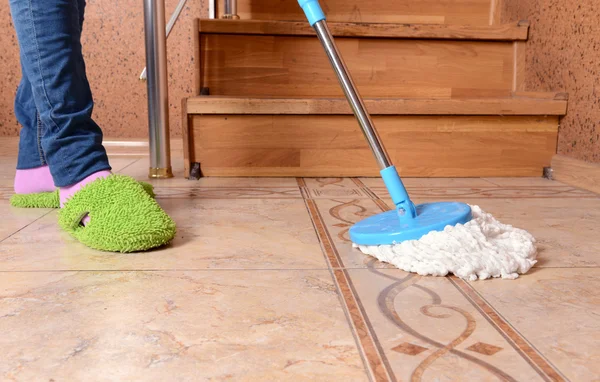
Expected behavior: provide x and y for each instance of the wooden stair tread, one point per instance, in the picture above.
(528, 104)
(506, 32)
(405, 11)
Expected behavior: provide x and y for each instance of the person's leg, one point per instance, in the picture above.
(32, 174)
(124, 216)
(49, 38)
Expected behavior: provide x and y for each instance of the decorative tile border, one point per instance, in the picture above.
(374, 355)
(542, 366)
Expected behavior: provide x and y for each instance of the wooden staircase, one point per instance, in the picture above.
(446, 98)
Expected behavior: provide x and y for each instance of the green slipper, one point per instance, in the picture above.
(37, 200)
(123, 216)
(51, 199)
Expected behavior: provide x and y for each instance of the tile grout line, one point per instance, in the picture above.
(365, 342)
(129, 165)
(25, 226)
(527, 351)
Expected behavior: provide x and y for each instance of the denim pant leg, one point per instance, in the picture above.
(31, 154)
(49, 34)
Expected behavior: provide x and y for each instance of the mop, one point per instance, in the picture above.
(433, 238)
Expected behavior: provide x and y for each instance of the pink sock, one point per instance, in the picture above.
(67, 192)
(34, 180)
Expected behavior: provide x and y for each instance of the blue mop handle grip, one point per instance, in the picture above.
(312, 10)
(398, 192)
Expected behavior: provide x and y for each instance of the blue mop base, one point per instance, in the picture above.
(388, 228)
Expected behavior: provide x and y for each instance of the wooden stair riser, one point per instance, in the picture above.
(296, 66)
(468, 12)
(332, 145)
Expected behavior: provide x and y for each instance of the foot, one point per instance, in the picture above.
(34, 188)
(124, 216)
(34, 180)
(67, 192)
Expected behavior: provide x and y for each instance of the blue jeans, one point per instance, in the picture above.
(54, 101)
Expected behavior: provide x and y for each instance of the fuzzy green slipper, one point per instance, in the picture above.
(37, 200)
(124, 217)
(51, 199)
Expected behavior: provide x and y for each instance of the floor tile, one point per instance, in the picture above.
(231, 234)
(122, 162)
(427, 330)
(217, 325)
(568, 301)
(15, 219)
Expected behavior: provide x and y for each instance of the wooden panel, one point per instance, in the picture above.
(420, 146)
(495, 12)
(297, 67)
(544, 104)
(469, 12)
(576, 172)
(508, 32)
(519, 69)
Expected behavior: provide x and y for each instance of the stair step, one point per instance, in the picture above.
(541, 104)
(320, 137)
(507, 32)
(296, 66)
(404, 11)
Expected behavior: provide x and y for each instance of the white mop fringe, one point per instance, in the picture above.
(480, 249)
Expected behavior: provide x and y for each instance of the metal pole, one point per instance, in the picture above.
(354, 98)
(230, 11)
(158, 97)
(170, 26)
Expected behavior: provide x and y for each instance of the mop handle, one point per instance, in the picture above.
(390, 176)
(316, 18)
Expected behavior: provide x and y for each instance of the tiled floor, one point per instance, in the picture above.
(262, 284)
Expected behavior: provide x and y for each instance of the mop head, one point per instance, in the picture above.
(123, 216)
(480, 249)
(52, 199)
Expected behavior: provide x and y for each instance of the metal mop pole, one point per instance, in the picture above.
(158, 103)
(388, 172)
(354, 98)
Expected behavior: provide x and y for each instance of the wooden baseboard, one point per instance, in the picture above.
(576, 172)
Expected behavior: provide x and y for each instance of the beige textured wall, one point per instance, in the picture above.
(113, 45)
(563, 52)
